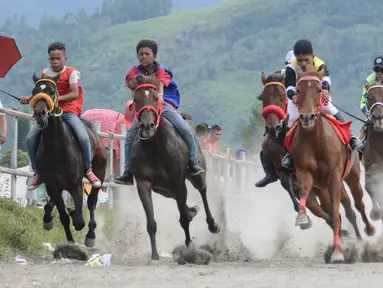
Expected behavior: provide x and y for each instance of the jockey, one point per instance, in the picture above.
(304, 54)
(375, 78)
(70, 100)
(269, 169)
(147, 54)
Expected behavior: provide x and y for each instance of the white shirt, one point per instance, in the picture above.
(74, 77)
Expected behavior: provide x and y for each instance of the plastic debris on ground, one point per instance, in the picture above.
(98, 260)
(20, 260)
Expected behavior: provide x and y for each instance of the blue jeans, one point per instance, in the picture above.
(181, 126)
(79, 130)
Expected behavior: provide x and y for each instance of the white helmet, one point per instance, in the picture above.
(290, 56)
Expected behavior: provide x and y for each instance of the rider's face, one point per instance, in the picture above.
(57, 60)
(303, 60)
(145, 56)
(379, 73)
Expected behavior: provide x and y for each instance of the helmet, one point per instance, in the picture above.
(289, 57)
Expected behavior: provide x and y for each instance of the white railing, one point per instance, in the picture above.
(229, 176)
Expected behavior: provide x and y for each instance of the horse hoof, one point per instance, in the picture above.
(307, 225)
(370, 230)
(48, 225)
(216, 229)
(90, 243)
(301, 220)
(375, 215)
(79, 225)
(337, 258)
(194, 211)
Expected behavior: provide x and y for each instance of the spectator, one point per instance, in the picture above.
(3, 127)
(213, 139)
(202, 131)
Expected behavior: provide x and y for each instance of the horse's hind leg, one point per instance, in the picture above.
(90, 237)
(353, 182)
(47, 218)
(144, 189)
(371, 185)
(350, 214)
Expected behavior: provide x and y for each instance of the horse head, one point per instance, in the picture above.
(309, 98)
(274, 101)
(44, 99)
(375, 106)
(147, 104)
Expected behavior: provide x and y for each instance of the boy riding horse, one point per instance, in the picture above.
(168, 91)
(70, 101)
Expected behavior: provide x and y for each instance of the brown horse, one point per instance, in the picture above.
(159, 161)
(372, 152)
(274, 100)
(320, 160)
(59, 161)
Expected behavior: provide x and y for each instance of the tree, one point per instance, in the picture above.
(252, 133)
(22, 132)
(22, 159)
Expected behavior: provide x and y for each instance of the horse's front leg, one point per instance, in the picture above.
(287, 185)
(47, 218)
(212, 225)
(144, 189)
(335, 188)
(305, 183)
(90, 238)
(78, 219)
(185, 216)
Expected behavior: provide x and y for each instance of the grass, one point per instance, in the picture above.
(21, 230)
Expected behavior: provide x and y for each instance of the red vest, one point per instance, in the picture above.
(63, 88)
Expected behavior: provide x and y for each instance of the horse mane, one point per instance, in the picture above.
(275, 77)
(141, 79)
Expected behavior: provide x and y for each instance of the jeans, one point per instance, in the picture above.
(180, 125)
(79, 130)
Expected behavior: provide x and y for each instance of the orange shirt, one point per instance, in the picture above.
(214, 146)
(63, 88)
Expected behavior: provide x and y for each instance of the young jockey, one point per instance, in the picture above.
(269, 170)
(147, 54)
(375, 78)
(304, 54)
(70, 101)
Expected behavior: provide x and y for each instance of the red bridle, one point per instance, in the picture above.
(281, 113)
(157, 111)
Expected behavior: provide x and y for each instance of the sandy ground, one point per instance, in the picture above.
(266, 248)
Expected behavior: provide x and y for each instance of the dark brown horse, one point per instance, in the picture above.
(59, 161)
(373, 151)
(320, 161)
(159, 161)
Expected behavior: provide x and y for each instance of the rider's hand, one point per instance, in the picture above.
(325, 93)
(295, 99)
(161, 97)
(25, 99)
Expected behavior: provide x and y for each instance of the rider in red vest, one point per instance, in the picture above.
(70, 101)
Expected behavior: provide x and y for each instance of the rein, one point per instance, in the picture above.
(281, 113)
(157, 111)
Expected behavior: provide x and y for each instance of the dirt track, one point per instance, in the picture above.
(283, 256)
(282, 273)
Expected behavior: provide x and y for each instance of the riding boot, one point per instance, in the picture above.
(270, 176)
(125, 179)
(288, 161)
(195, 168)
(355, 143)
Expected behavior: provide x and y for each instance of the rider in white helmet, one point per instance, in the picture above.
(288, 59)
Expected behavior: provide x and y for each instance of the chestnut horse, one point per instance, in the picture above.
(320, 161)
(274, 102)
(372, 151)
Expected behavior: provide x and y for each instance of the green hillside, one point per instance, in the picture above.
(216, 53)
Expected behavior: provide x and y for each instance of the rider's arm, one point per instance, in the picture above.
(366, 85)
(326, 81)
(290, 81)
(3, 126)
(73, 85)
(164, 78)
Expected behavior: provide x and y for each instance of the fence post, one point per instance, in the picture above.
(14, 156)
(109, 172)
(122, 149)
(224, 193)
(242, 172)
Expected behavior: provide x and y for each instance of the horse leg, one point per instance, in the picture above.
(47, 218)
(370, 184)
(353, 182)
(335, 189)
(90, 237)
(212, 225)
(64, 217)
(350, 213)
(77, 218)
(144, 189)
(305, 184)
(286, 184)
(185, 217)
(316, 209)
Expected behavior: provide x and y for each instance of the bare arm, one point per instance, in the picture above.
(3, 129)
(72, 95)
